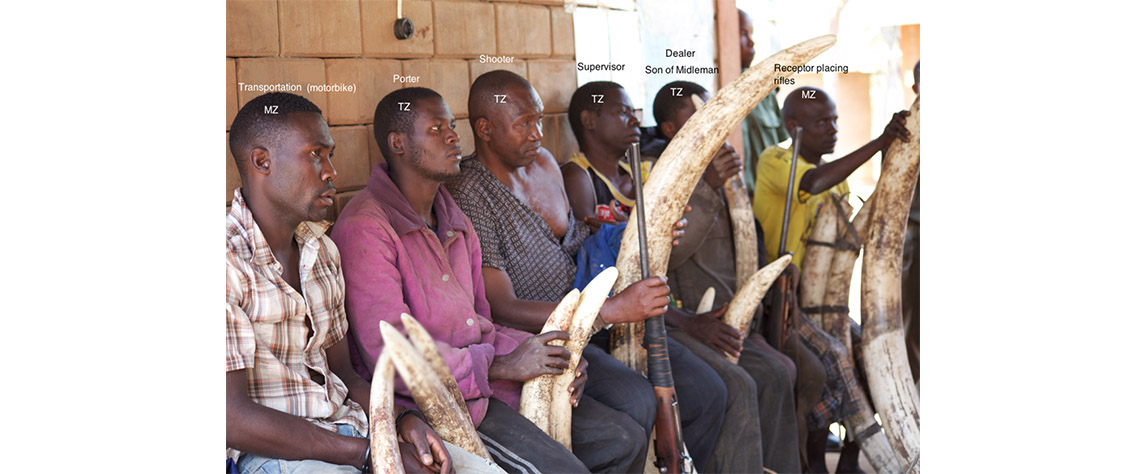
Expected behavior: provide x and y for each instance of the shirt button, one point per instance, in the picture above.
(445, 278)
(450, 233)
(470, 322)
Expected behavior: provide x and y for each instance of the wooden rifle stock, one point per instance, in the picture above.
(671, 455)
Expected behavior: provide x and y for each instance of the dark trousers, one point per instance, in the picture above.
(604, 441)
(760, 424)
(701, 395)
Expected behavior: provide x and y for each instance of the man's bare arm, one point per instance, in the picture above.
(644, 299)
(826, 176)
(579, 190)
(262, 430)
(507, 309)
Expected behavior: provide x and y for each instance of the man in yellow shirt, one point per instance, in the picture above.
(814, 111)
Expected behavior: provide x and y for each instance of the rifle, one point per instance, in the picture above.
(672, 456)
(785, 322)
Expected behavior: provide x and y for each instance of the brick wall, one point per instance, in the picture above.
(351, 42)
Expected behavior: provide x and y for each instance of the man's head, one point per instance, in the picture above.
(283, 150)
(812, 109)
(747, 47)
(415, 130)
(674, 105)
(506, 116)
(915, 86)
(602, 112)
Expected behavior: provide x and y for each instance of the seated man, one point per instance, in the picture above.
(511, 191)
(761, 409)
(408, 248)
(815, 112)
(293, 402)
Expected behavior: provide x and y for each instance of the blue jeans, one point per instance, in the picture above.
(254, 464)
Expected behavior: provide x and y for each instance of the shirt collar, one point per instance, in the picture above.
(307, 233)
(403, 219)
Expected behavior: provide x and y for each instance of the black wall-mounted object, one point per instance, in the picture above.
(403, 28)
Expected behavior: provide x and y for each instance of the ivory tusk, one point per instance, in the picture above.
(423, 341)
(430, 394)
(381, 420)
(838, 291)
(817, 261)
(676, 174)
(536, 392)
(888, 373)
(593, 296)
(743, 223)
(707, 300)
(743, 305)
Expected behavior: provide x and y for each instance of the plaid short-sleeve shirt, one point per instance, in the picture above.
(266, 330)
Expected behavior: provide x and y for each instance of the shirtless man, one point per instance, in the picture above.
(511, 191)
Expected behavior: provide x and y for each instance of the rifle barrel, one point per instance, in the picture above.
(791, 192)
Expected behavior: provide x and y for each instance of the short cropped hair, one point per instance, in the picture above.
(261, 120)
(666, 104)
(486, 86)
(582, 100)
(388, 118)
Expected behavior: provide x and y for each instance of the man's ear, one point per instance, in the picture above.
(790, 124)
(668, 129)
(396, 143)
(259, 160)
(483, 128)
(588, 119)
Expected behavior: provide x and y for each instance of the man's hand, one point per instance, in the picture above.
(724, 165)
(709, 329)
(579, 382)
(421, 449)
(532, 358)
(896, 128)
(640, 301)
(679, 227)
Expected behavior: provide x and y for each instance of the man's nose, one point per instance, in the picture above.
(328, 172)
(452, 137)
(536, 131)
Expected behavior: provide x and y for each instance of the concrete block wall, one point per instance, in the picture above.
(351, 42)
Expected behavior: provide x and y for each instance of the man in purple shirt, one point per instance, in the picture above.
(408, 248)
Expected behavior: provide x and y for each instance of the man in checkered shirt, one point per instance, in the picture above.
(293, 401)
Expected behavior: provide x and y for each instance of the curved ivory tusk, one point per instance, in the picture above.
(381, 419)
(743, 305)
(817, 261)
(430, 394)
(676, 173)
(838, 291)
(593, 296)
(536, 393)
(423, 341)
(707, 300)
(872, 441)
(884, 350)
(743, 223)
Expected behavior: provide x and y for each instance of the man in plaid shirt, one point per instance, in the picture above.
(293, 401)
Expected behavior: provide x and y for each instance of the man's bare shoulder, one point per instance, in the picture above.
(545, 167)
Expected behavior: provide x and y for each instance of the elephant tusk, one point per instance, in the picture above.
(676, 174)
(743, 306)
(888, 373)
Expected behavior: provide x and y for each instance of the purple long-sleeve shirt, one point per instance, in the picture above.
(393, 263)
